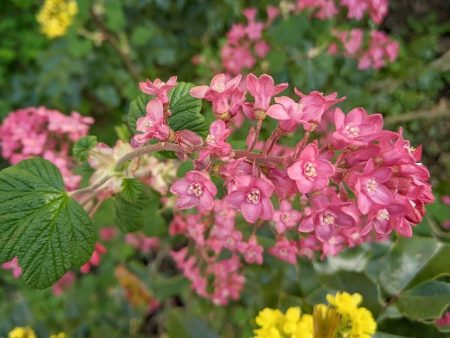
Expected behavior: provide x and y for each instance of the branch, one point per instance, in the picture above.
(442, 109)
(90, 188)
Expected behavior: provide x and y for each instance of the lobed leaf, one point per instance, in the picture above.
(49, 232)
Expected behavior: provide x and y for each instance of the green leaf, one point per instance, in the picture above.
(186, 110)
(180, 325)
(412, 261)
(131, 190)
(133, 216)
(82, 147)
(425, 302)
(48, 231)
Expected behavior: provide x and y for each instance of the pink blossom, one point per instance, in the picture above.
(142, 243)
(95, 258)
(263, 89)
(444, 320)
(357, 128)
(195, 189)
(216, 141)
(369, 186)
(310, 171)
(286, 217)
(284, 186)
(153, 124)
(252, 251)
(217, 92)
(63, 283)
(159, 88)
(107, 234)
(252, 198)
(14, 266)
(288, 112)
(315, 104)
(285, 250)
(44, 132)
(326, 217)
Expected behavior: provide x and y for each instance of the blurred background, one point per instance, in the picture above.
(94, 66)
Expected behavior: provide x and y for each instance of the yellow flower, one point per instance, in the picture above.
(326, 321)
(344, 302)
(363, 324)
(56, 16)
(59, 335)
(305, 328)
(291, 319)
(22, 332)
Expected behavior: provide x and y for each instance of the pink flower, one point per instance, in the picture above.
(142, 243)
(286, 217)
(327, 216)
(64, 283)
(252, 197)
(252, 251)
(288, 112)
(315, 104)
(152, 125)
(310, 172)
(444, 320)
(108, 233)
(216, 141)
(95, 258)
(218, 92)
(195, 189)
(14, 266)
(369, 186)
(285, 250)
(357, 128)
(159, 88)
(263, 89)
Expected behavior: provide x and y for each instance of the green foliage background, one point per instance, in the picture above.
(94, 69)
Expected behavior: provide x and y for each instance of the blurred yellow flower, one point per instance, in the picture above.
(275, 324)
(22, 332)
(59, 335)
(340, 318)
(56, 16)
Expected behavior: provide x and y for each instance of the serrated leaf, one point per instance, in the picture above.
(82, 147)
(131, 190)
(412, 261)
(425, 302)
(185, 110)
(48, 231)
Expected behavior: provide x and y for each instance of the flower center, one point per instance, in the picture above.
(327, 218)
(195, 189)
(284, 217)
(210, 139)
(310, 170)
(219, 87)
(352, 131)
(383, 215)
(254, 196)
(371, 185)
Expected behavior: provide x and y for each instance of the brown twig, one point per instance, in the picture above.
(115, 43)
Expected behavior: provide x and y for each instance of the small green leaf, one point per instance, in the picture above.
(131, 190)
(82, 147)
(425, 302)
(49, 232)
(186, 110)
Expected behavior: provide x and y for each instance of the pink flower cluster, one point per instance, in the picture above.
(44, 132)
(245, 44)
(353, 183)
(356, 9)
(380, 51)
